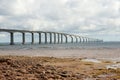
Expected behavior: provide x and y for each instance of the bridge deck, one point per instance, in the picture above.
(56, 35)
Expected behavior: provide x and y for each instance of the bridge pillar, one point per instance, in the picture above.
(11, 38)
(32, 38)
(50, 38)
(66, 41)
(76, 39)
(71, 39)
(80, 39)
(45, 38)
(23, 38)
(61, 38)
(39, 38)
(58, 38)
(86, 40)
(83, 39)
(54, 38)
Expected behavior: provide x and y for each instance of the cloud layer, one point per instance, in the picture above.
(95, 18)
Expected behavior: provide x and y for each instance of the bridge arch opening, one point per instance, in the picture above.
(17, 37)
(36, 38)
(4, 37)
(28, 38)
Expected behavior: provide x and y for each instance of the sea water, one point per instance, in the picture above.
(60, 46)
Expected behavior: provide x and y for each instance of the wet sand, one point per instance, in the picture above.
(100, 53)
(60, 64)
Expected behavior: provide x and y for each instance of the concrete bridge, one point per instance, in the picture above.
(54, 37)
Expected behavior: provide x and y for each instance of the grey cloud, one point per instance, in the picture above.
(5, 7)
(72, 16)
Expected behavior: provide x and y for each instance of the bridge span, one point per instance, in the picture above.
(54, 37)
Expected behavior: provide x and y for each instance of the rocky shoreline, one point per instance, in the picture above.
(50, 68)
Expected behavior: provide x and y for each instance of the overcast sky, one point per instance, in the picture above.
(92, 18)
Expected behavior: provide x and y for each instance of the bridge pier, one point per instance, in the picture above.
(32, 34)
(58, 38)
(83, 39)
(76, 39)
(71, 39)
(54, 38)
(86, 40)
(39, 38)
(45, 38)
(66, 39)
(23, 38)
(79, 39)
(11, 38)
(50, 38)
(61, 38)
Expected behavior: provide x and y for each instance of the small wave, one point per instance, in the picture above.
(114, 66)
(92, 60)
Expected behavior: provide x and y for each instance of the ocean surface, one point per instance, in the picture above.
(61, 46)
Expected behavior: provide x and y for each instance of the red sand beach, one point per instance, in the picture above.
(60, 64)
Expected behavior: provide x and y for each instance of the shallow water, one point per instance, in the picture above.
(106, 50)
